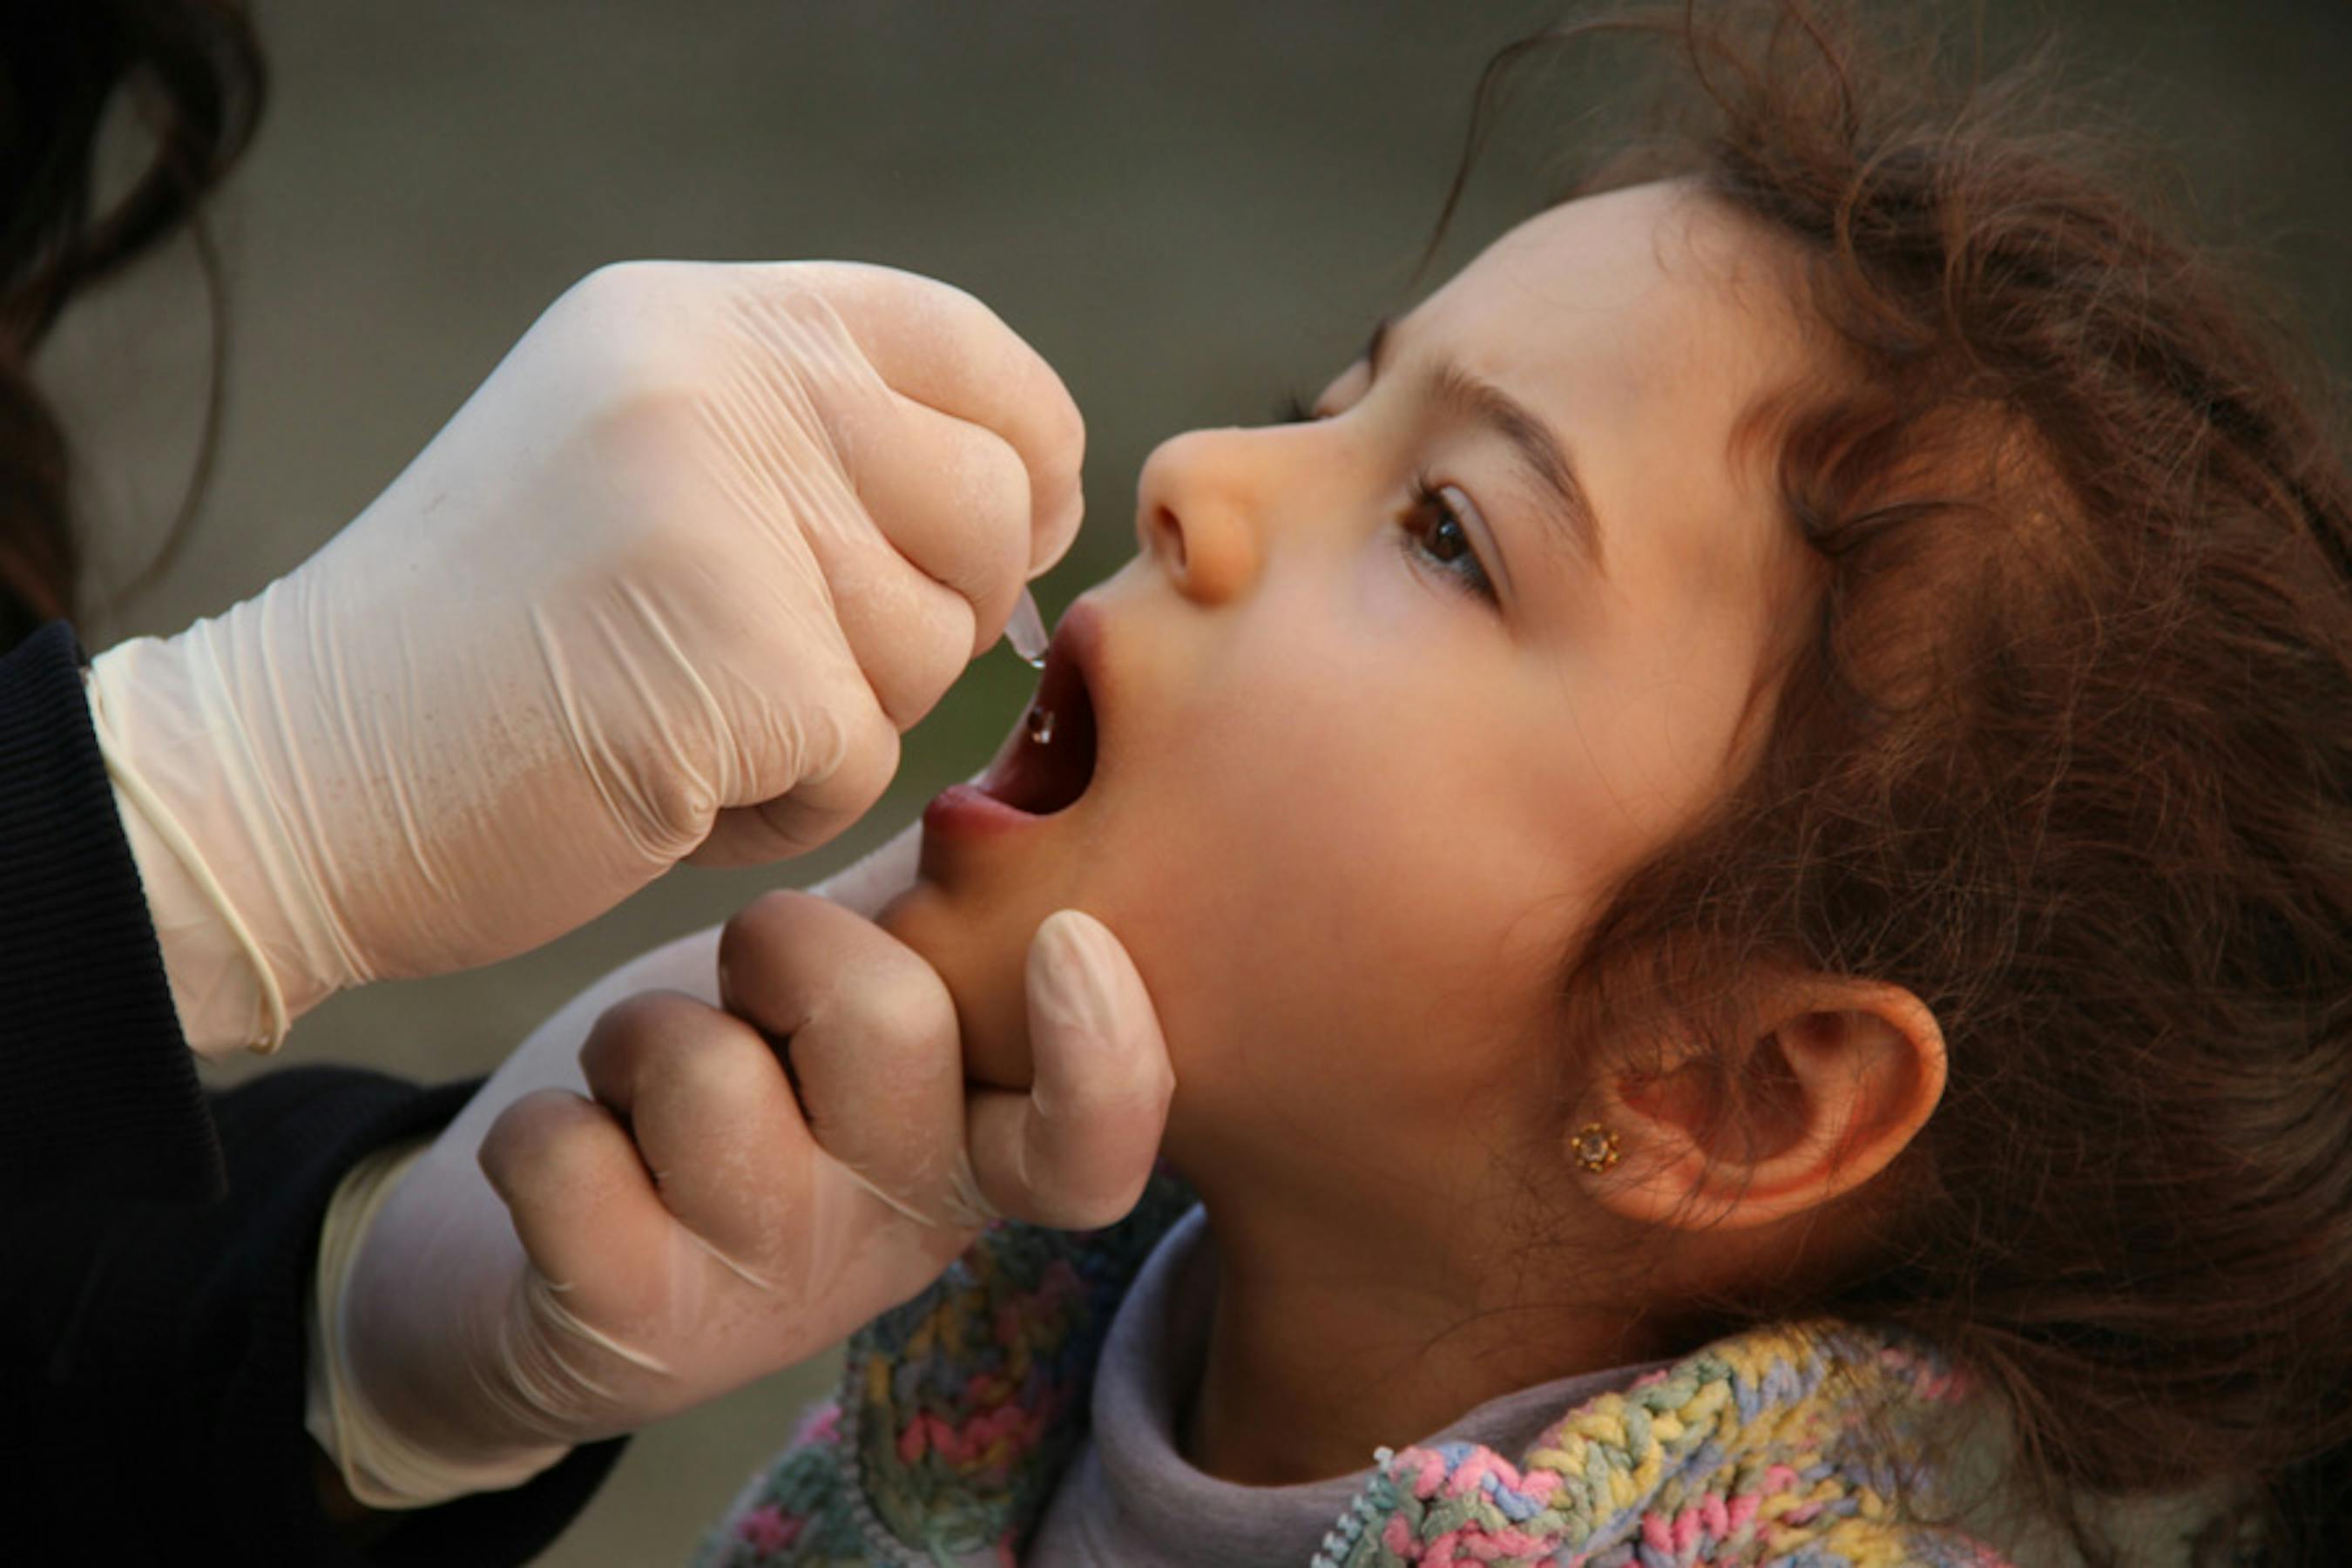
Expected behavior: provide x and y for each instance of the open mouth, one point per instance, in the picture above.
(1051, 759)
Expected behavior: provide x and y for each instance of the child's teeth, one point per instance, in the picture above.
(1041, 725)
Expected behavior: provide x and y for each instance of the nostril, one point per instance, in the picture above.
(1172, 533)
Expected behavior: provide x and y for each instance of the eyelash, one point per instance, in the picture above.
(1428, 496)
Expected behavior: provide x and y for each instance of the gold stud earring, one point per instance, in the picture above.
(1595, 1147)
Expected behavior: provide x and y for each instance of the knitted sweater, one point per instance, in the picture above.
(1799, 1448)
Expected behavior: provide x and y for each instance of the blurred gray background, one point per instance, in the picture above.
(1188, 208)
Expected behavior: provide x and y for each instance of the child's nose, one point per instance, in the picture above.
(1197, 504)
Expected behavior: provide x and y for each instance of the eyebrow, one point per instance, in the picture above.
(1449, 387)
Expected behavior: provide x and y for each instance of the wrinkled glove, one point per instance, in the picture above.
(568, 1263)
(669, 586)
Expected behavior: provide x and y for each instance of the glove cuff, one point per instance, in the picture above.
(382, 1468)
(223, 988)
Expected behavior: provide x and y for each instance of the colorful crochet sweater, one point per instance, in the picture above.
(959, 1412)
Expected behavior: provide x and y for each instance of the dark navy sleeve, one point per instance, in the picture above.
(98, 1093)
(156, 1244)
(152, 1359)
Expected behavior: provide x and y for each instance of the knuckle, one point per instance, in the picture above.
(898, 288)
(765, 931)
(798, 322)
(635, 334)
(656, 1017)
(724, 1066)
(565, 1160)
(901, 1008)
(538, 1145)
(620, 290)
(999, 484)
(636, 1027)
(802, 299)
(888, 1009)
(644, 405)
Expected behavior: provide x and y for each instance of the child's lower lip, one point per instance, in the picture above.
(961, 811)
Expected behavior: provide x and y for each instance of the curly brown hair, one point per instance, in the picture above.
(2067, 751)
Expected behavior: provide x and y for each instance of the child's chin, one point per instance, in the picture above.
(982, 962)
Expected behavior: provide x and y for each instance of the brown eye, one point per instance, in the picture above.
(1447, 539)
(1435, 531)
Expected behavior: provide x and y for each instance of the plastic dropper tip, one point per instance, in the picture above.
(1026, 630)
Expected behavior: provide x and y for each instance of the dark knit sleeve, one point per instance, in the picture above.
(98, 1094)
(152, 1359)
(156, 1249)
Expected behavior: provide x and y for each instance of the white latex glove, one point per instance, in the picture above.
(669, 586)
(568, 1263)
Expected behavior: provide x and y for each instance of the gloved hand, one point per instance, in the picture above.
(669, 586)
(694, 1225)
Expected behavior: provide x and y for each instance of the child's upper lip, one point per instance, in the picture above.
(1078, 638)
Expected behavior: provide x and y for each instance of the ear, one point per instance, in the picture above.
(1840, 1078)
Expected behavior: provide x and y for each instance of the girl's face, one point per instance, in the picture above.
(1389, 699)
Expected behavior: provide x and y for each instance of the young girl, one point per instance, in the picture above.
(1741, 842)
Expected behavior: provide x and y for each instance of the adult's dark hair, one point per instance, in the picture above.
(2066, 749)
(190, 73)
